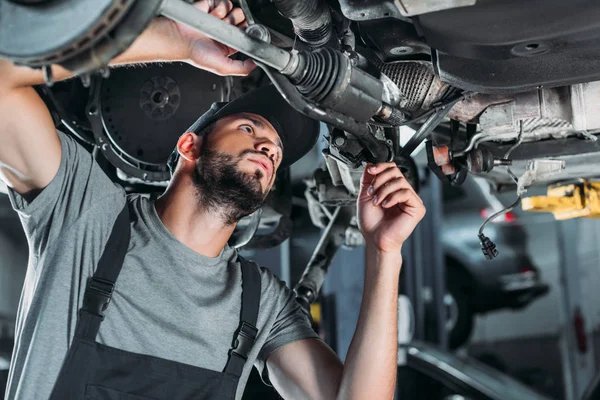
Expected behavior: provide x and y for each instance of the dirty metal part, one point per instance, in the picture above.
(538, 170)
(481, 160)
(227, 34)
(329, 79)
(417, 82)
(325, 77)
(391, 115)
(553, 113)
(515, 46)
(104, 143)
(345, 149)
(353, 237)
(392, 94)
(475, 161)
(377, 150)
(74, 27)
(425, 130)
(410, 8)
(144, 110)
(473, 143)
(442, 158)
(364, 10)
(509, 152)
(343, 175)
(80, 35)
(259, 32)
(577, 154)
(539, 103)
(340, 184)
(574, 200)
(311, 19)
(308, 288)
(585, 98)
(247, 12)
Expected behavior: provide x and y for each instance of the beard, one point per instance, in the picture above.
(224, 189)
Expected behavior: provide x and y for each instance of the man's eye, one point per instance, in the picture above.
(247, 128)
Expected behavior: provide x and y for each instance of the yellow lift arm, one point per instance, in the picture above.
(566, 201)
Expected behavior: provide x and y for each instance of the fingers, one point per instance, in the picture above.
(383, 176)
(387, 187)
(394, 185)
(221, 8)
(372, 174)
(237, 67)
(408, 200)
(235, 17)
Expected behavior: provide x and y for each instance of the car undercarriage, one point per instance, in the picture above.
(506, 90)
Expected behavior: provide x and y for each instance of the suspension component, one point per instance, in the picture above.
(311, 19)
(475, 161)
(325, 76)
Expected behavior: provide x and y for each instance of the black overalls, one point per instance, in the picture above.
(93, 371)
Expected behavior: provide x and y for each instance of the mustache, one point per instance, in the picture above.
(260, 153)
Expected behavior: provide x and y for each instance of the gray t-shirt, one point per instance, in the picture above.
(169, 301)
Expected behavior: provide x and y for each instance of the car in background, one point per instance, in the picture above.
(432, 374)
(475, 284)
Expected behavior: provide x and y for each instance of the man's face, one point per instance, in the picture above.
(252, 142)
(237, 165)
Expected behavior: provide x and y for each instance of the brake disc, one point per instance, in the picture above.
(145, 110)
(81, 35)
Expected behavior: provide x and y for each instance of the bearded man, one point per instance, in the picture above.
(130, 298)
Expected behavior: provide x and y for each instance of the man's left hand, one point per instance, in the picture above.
(388, 207)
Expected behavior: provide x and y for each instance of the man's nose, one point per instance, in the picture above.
(267, 146)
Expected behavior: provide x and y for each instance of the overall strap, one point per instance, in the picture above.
(246, 333)
(98, 292)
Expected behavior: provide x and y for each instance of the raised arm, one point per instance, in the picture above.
(388, 212)
(30, 150)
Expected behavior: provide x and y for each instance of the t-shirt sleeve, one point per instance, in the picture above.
(291, 323)
(79, 184)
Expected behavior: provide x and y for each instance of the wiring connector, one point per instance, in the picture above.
(488, 248)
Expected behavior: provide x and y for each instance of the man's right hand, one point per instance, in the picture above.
(206, 53)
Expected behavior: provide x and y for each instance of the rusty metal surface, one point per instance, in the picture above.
(409, 8)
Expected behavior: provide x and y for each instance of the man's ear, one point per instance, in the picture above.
(189, 145)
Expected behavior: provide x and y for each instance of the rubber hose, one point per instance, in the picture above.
(311, 19)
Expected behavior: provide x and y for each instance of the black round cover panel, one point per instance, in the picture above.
(146, 109)
(35, 30)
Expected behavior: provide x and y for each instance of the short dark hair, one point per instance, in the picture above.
(174, 156)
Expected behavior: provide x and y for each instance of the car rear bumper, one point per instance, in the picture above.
(521, 288)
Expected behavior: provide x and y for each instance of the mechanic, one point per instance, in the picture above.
(187, 318)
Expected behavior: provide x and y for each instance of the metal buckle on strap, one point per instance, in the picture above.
(244, 339)
(98, 295)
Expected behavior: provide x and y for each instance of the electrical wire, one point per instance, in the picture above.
(486, 242)
(504, 211)
(518, 201)
(513, 147)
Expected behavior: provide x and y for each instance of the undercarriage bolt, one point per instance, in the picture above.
(339, 141)
(502, 161)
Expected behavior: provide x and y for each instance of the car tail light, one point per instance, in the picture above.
(526, 268)
(507, 218)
